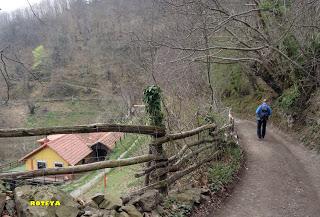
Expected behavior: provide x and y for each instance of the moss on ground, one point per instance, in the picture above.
(174, 208)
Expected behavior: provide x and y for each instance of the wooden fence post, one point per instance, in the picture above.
(152, 99)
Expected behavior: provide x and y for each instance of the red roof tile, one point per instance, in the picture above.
(110, 139)
(70, 147)
(90, 138)
(107, 139)
(49, 138)
(74, 147)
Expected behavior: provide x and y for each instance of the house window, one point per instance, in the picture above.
(58, 164)
(41, 164)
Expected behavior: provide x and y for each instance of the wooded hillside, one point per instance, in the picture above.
(204, 54)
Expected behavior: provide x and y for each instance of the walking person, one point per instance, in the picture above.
(262, 113)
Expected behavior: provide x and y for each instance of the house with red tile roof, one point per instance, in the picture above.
(64, 150)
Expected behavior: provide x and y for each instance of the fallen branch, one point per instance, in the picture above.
(79, 168)
(92, 128)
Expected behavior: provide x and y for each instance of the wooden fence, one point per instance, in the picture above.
(161, 172)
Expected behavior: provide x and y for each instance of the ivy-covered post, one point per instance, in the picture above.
(152, 100)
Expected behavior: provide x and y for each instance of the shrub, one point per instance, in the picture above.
(152, 99)
(223, 172)
(230, 80)
(289, 98)
(314, 47)
(291, 46)
(266, 5)
(277, 7)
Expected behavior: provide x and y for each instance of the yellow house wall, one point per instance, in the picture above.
(47, 155)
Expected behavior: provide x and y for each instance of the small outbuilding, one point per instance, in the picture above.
(65, 150)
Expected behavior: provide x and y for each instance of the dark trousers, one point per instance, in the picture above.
(261, 128)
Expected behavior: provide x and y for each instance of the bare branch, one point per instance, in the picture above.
(233, 59)
(216, 28)
(41, 21)
(5, 76)
(210, 48)
(23, 65)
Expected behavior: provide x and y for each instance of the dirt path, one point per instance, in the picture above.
(282, 178)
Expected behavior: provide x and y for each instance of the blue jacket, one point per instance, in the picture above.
(259, 110)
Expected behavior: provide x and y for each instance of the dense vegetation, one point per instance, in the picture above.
(80, 61)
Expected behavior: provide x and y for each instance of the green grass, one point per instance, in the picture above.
(230, 80)
(21, 168)
(222, 172)
(121, 147)
(72, 113)
(119, 182)
(69, 114)
(125, 143)
(57, 119)
(245, 106)
(73, 185)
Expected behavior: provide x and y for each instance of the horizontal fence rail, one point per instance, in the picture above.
(80, 168)
(185, 134)
(92, 128)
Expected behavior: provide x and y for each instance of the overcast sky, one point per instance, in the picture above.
(10, 5)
